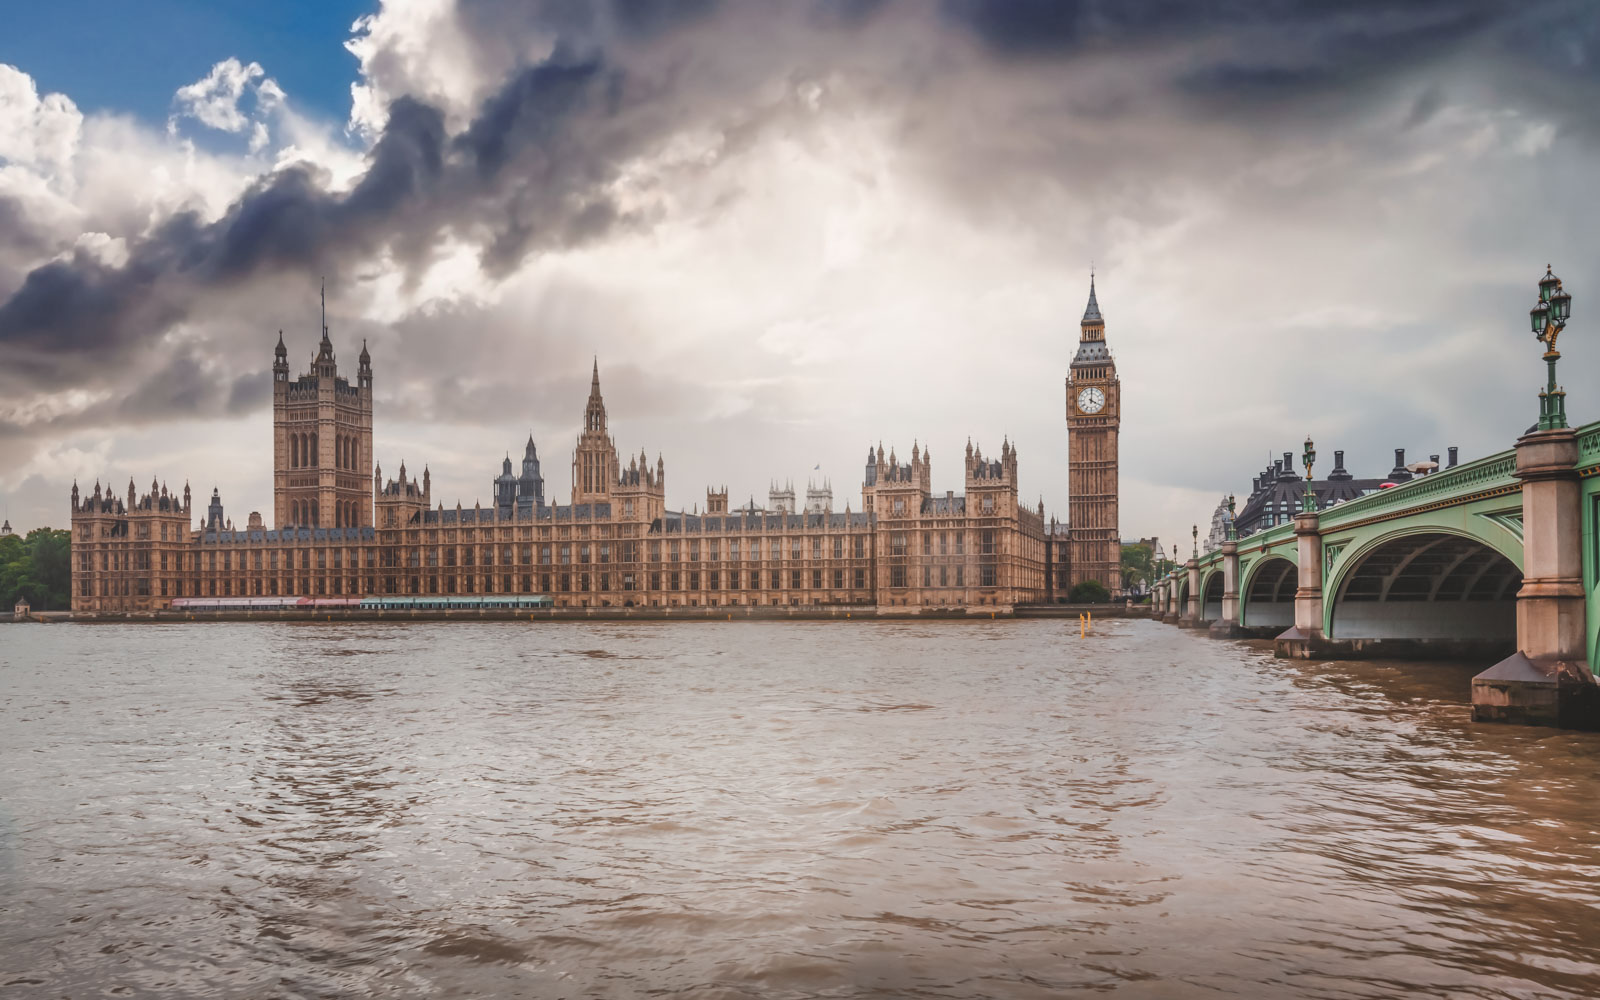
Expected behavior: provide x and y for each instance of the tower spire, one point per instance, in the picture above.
(1091, 314)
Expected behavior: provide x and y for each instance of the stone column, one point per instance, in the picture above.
(1228, 626)
(1548, 680)
(1308, 597)
(1191, 613)
(1305, 639)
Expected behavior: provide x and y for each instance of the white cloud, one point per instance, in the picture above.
(234, 97)
(416, 47)
(34, 132)
(214, 100)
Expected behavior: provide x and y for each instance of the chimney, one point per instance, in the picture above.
(1339, 472)
(1435, 460)
(1453, 459)
(1399, 473)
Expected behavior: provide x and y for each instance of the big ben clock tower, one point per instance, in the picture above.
(1094, 414)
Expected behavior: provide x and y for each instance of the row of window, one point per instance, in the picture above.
(691, 580)
(947, 576)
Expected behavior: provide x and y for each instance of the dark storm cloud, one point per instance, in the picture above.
(1249, 53)
(511, 174)
(21, 236)
(1389, 27)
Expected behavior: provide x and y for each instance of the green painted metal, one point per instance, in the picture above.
(1481, 500)
(1589, 468)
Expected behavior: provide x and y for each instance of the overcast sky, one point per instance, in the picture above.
(790, 231)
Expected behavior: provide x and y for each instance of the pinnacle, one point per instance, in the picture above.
(1091, 313)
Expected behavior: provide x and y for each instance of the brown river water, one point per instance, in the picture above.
(773, 810)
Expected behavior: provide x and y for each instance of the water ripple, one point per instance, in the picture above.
(774, 810)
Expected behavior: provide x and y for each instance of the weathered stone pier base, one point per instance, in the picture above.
(1296, 645)
(1530, 693)
(1547, 680)
(1233, 630)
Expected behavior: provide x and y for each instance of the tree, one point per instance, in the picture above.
(1090, 592)
(1137, 566)
(39, 568)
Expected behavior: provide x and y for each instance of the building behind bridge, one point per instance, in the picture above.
(1277, 493)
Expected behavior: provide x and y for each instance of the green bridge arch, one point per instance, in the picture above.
(1448, 546)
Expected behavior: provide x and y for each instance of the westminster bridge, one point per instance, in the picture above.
(1495, 558)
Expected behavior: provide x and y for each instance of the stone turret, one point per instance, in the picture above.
(401, 500)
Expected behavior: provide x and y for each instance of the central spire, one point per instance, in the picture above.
(325, 358)
(594, 415)
(1091, 314)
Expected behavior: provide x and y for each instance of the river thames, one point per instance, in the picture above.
(773, 810)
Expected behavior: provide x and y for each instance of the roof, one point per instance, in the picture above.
(1286, 495)
(1091, 313)
(1091, 350)
(678, 522)
(211, 537)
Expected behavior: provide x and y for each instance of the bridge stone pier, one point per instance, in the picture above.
(1191, 591)
(1493, 560)
(1226, 625)
(1548, 678)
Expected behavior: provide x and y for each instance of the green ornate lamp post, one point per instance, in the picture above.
(1309, 503)
(1195, 531)
(1233, 532)
(1548, 319)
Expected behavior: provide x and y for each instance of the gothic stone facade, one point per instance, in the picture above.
(341, 531)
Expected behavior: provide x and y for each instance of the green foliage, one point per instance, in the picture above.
(38, 567)
(1137, 567)
(1090, 592)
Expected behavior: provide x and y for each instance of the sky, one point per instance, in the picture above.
(789, 231)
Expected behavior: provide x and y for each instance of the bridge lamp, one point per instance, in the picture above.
(1310, 456)
(1195, 531)
(1548, 318)
(1233, 530)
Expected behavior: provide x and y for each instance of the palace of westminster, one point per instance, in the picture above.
(342, 530)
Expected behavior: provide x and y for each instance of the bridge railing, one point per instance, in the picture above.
(1589, 445)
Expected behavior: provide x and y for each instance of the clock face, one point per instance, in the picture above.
(1091, 400)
